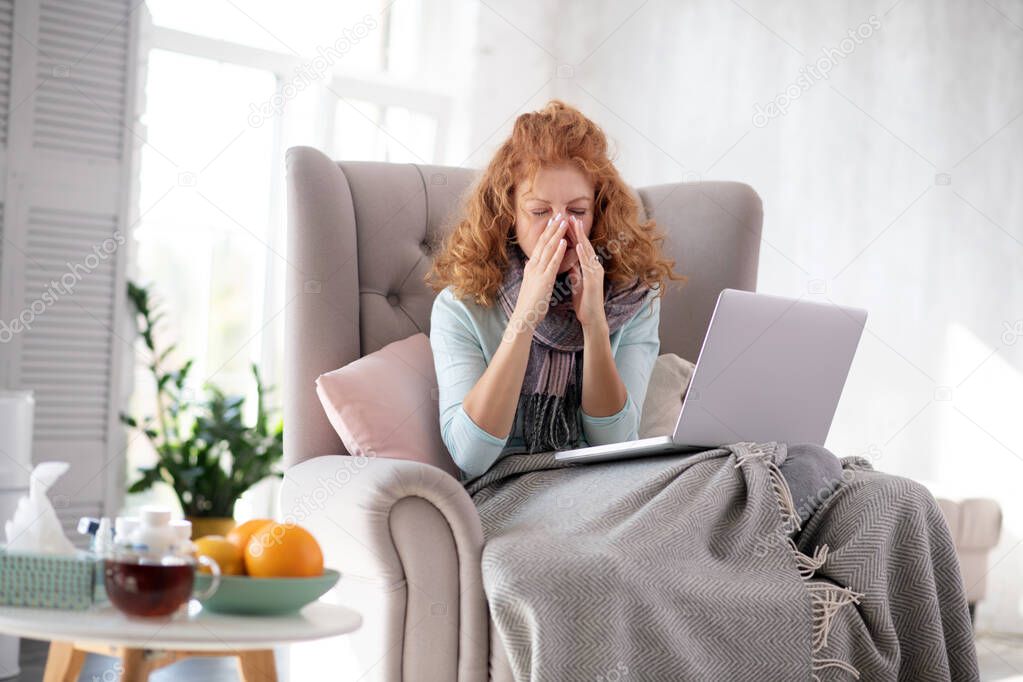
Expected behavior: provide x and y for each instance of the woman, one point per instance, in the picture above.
(545, 327)
(544, 334)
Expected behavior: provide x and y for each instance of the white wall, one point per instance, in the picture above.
(893, 184)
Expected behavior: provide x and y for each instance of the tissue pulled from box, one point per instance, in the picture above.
(35, 526)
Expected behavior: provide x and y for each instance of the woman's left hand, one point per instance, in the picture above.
(587, 278)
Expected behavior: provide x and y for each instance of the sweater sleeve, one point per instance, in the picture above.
(635, 356)
(459, 361)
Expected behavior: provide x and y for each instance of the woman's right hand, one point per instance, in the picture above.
(540, 271)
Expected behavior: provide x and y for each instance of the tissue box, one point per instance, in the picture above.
(48, 581)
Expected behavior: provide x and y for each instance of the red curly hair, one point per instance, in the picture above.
(473, 257)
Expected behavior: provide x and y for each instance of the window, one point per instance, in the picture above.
(229, 86)
(204, 192)
(369, 132)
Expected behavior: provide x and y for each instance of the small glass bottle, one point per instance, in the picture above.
(102, 547)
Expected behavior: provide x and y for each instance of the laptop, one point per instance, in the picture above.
(770, 368)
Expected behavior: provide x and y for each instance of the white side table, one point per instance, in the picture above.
(146, 644)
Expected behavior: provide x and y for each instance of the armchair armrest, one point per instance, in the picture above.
(408, 541)
(976, 525)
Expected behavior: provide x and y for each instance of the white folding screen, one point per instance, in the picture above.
(6, 43)
(68, 91)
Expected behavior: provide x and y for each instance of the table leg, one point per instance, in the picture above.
(257, 666)
(63, 662)
(136, 665)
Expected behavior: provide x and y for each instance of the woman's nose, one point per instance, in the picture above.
(570, 232)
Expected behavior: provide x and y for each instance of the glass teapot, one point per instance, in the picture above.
(149, 569)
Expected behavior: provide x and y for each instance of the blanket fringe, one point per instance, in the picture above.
(808, 565)
(789, 515)
(822, 663)
(826, 598)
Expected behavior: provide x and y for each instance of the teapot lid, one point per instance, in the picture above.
(154, 515)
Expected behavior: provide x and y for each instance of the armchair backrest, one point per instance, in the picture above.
(358, 247)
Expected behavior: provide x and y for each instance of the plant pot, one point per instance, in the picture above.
(210, 525)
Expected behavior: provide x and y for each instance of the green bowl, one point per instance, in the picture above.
(240, 594)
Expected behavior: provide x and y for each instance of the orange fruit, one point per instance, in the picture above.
(283, 550)
(243, 533)
(228, 555)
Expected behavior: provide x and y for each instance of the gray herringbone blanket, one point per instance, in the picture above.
(681, 567)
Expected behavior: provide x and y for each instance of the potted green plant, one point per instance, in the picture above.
(205, 449)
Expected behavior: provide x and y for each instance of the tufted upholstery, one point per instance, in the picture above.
(405, 534)
(360, 236)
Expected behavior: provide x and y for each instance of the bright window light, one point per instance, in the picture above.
(229, 87)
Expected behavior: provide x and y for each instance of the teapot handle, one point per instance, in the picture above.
(215, 583)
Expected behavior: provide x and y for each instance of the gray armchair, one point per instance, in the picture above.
(406, 535)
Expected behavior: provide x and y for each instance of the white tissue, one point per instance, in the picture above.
(35, 526)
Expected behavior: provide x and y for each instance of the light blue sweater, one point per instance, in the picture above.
(464, 337)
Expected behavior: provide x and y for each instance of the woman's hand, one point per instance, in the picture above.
(587, 280)
(492, 402)
(539, 273)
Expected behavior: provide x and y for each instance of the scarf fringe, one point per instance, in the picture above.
(545, 422)
(826, 599)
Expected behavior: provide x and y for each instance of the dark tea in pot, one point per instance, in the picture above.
(148, 589)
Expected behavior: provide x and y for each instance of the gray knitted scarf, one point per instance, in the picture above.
(551, 394)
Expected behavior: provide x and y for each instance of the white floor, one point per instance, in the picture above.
(1001, 660)
(1000, 657)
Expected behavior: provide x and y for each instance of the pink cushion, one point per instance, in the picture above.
(385, 404)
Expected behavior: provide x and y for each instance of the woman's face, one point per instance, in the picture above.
(560, 189)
